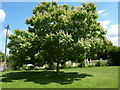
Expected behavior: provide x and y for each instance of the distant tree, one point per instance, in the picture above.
(104, 48)
(2, 56)
(114, 56)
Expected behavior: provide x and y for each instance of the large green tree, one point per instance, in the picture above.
(55, 32)
(62, 27)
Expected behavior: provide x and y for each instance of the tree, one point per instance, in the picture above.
(62, 26)
(59, 30)
(1, 56)
(114, 56)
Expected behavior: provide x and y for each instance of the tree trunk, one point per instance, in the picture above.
(58, 68)
(58, 71)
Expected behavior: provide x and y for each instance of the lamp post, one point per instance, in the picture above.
(7, 28)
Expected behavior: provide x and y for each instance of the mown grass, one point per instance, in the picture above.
(94, 77)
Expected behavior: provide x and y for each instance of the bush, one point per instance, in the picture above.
(50, 66)
(101, 63)
(63, 65)
(114, 56)
(104, 63)
(69, 64)
(82, 64)
(25, 67)
(91, 65)
(98, 63)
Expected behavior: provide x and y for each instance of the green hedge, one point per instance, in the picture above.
(115, 56)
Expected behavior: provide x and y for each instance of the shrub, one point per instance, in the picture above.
(52, 67)
(63, 65)
(91, 65)
(98, 63)
(82, 64)
(104, 63)
(36, 68)
(101, 63)
(69, 64)
(114, 56)
(25, 67)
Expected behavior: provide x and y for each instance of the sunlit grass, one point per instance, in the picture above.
(94, 77)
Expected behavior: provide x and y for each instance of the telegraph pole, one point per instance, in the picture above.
(7, 28)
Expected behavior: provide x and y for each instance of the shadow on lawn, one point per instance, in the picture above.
(44, 77)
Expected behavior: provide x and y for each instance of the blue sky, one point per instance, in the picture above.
(15, 14)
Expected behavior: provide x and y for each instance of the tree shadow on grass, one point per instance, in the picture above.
(44, 77)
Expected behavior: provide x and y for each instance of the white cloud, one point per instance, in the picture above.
(114, 40)
(113, 35)
(4, 32)
(105, 24)
(2, 15)
(100, 11)
(103, 13)
(113, 31)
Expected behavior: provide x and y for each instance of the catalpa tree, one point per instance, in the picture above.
(58, 30)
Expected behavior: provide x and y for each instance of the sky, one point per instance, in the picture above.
(15, 14)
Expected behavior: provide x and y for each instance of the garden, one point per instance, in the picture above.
(64, 47)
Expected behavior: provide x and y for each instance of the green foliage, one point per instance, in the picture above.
(22, 47)
(98, 48)
(1, 56)
(101, 63)
(56, 34)
(114, 56)
(81, 64)
(98, 63)
(51, 66)
(91, 65)
(24, 67)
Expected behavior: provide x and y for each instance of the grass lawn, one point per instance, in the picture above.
(90, 77)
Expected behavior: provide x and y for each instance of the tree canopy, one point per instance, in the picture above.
(58, 33)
